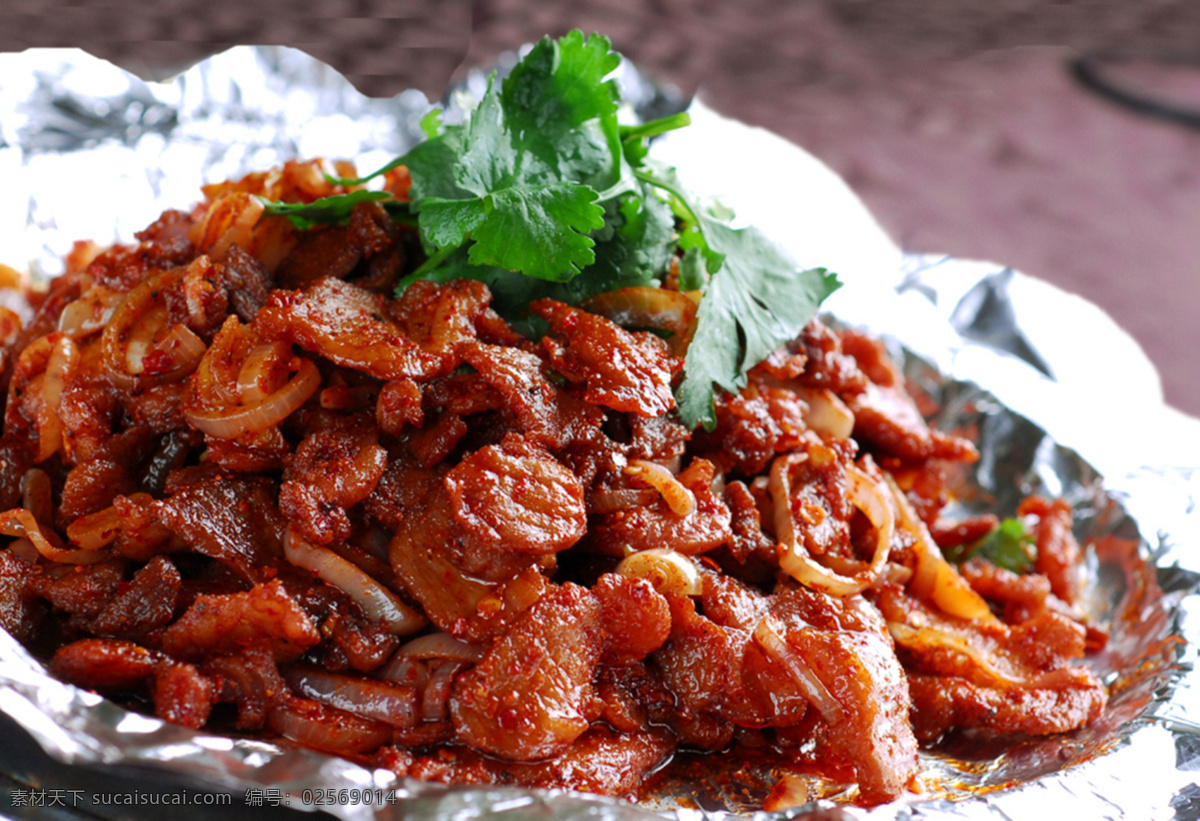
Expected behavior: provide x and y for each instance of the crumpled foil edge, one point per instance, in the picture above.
(250, 108)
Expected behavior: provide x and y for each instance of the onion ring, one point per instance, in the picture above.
(245, 419)
(867, 496)
(376, 601)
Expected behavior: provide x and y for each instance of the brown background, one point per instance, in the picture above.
(956, 121)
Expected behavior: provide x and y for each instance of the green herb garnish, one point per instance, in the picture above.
(1009, 546)
(539, 192)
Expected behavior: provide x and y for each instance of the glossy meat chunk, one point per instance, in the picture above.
(246, 483)
(348, 326)
(531, 696)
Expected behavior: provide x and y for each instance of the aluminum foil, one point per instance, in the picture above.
(90, 152)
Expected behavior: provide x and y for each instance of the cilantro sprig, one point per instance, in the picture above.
(1010, 545)
(540, 192)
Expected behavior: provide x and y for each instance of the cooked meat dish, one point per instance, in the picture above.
(249, 489)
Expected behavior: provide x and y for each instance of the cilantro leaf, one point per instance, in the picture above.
(757, 301)
(1009, 546)
(540, 230)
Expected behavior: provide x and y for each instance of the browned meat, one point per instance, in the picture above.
(223, 624)
(183, 696)
(458, 597)
(887, 419)
(636, 616)
(251, 680)
(145, 605)
(330, 471)
(846, 647)
(1059, 558)
(347, 326)
(547, 415)
(531, 696)
(642, 528)
(943, 703)
(516, 496)
(621, 370)
(105, 664)
(232, 519)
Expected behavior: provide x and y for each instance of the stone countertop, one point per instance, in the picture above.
(959, 125)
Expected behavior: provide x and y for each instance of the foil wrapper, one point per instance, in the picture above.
(1059, 400)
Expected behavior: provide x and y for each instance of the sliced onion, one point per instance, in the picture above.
(376, 601)
(95, 530)
(395, 704)
(777, 648)
(827, 414)
(681, 500)
(789, 791)
(90, 312)
(63, 358)
(230, 220)
(185, 350)
(19, 522)
(667, 570)
(130, 331)
(314, 725)
(264, 371)
(241, 420)
(933, 578)
(437, 691)
(866, 494)
(443, 646)
(983, 667)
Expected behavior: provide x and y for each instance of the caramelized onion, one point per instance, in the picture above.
(866, 494)
(827, 414)
(442, 646)
(667, 570)
(376, 601)
(90, 312)
(314, 725)
(232, 423)
(19, 522)
(777, 649)
(63, 358)
(933, 578)
(95, 530)
(394, 704)
(681, 500)
(437, 691)
(130, 331)
(789, 791)
(264, 371)
(644, 307)
(184, 350)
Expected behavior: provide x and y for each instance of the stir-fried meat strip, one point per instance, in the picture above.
(845, 645)
(223, 624)
(641, 528)
(330, 471)
(347, 326)
(232, 519)
(621, 370)
(243, 477)
(518, 497)
(531, 696)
